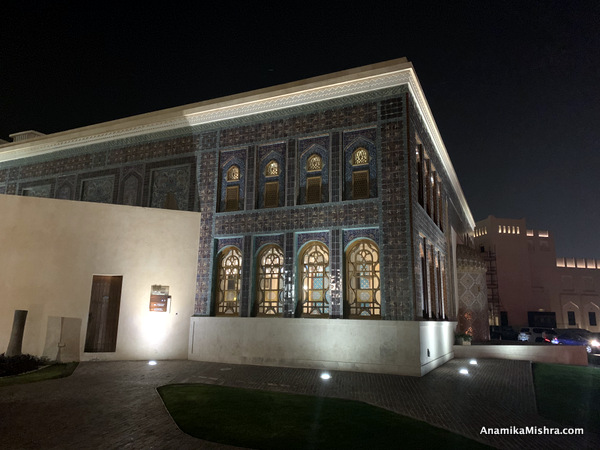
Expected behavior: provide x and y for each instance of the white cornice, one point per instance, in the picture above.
(341, 84)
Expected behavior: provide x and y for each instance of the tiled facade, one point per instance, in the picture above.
(186, 168)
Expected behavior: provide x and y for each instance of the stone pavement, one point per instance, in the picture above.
(115, 404)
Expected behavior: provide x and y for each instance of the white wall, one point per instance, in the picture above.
(50, 249)
(379, 346)
(552, 354)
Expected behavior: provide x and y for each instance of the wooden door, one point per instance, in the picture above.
(103, 319)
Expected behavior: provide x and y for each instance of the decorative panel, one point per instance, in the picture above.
(99, 190)
(171, 180)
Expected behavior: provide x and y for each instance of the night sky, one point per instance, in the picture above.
(514, 86)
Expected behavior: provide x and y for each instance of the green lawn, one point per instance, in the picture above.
(569, 395)
(263, 420)
(46, 373)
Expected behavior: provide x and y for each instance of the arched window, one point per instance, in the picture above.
(233, 174)
(363, 279)
(271, 190)
(232, 190)
(272, 169)
(360, 157)
(228, 281)
(314, 262)
(314, 163)
(269, 283)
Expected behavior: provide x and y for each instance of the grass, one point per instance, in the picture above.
(47, 373)
(270, 420)
(569, 395)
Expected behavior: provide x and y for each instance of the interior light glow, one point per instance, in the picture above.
(473, 362)
(152, 363)
(464, 371)
(325, 376)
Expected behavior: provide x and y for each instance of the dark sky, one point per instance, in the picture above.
(514, 86)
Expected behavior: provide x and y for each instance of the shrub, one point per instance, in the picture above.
(14, 365)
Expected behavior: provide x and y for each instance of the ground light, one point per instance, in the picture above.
(325, 376)
(152, 363)
(464, 371)
(473, 362)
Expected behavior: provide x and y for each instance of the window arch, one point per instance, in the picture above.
(360, 171)
(270, 281)
(360, 157)
(314, 295)
(228, 281)
(363, 279)
(233, 174)
(314, 163)
(272, 169)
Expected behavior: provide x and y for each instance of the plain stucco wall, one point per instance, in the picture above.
(50, 250)
(379, 346)
(554, 354)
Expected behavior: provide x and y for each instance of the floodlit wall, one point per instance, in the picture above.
(52, 248)
(378, 346)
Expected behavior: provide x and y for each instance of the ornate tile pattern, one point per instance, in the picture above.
(171, 180)
(99, 190)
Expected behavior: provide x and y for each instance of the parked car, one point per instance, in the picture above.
(503, 333)
(591, 344)
(536, 334)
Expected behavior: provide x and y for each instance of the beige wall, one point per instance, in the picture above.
(50, 249)
(553, 354)
(379, 346)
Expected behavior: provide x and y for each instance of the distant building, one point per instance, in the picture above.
(328, 198)
(528, 285)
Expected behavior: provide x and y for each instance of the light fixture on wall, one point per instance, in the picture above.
(160, 300)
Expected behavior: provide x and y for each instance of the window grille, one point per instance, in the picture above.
(360, 157)
(360, 184)
(270, 281)
(313, 190)
(362, 266)
(314, 163)
(272, 169)
(272, 194)
(233, 174)
(228, 283)
(232, 198)
(314, 261)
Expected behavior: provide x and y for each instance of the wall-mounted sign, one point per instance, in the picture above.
(160, 300)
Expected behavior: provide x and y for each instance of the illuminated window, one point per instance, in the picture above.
(270, 281)
(313, 190)
(233, 174)
(314, 163)
(272, 169)
(232, 198)
(314, 297)
(420, 170)
(424, 287)
(362, 269)
(360, 157)
(272, 194)
(228, 281)
(360, 184)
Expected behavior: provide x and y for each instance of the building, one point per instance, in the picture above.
(529, 286)
(328, 198)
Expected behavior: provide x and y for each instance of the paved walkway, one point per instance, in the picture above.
(115, 404)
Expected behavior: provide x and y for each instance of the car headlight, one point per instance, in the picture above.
(595, 343)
